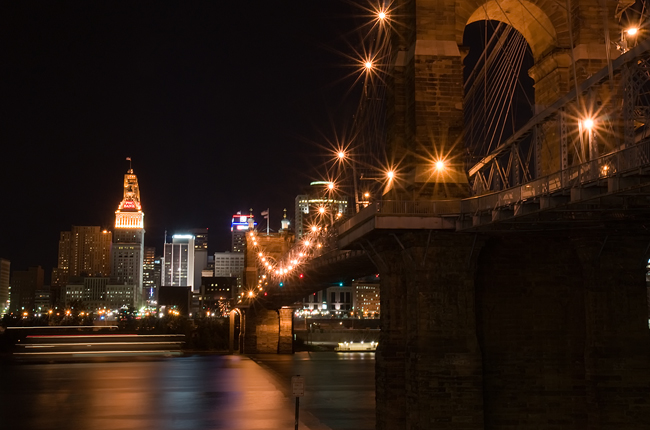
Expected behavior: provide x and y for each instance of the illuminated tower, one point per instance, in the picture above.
(128, 238)
(239, 226)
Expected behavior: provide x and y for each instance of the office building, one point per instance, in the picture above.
(366, 299)
(128, 238)
(336, 300)
(239, 226)
(5, 267)
(230, 265)
(178, 262)
(24, 284)
(150, 276)
(100, 293)
(42, 300)
(361, 300)
(216, 294)
(83, 251)
(308, 205)
(200, 238)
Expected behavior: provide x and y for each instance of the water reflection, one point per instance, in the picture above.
(216, 392)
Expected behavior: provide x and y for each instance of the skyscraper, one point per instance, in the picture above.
(178, 262)
(239, 226)
(128, 238)
(151, 277)
(200, 254)
(4, 285)
(83, 251)
(200, 238)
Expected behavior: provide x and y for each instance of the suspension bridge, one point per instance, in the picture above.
(511, 246)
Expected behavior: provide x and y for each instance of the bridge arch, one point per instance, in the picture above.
(535, 20)
(425, 85)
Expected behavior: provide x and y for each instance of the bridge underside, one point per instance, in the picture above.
(527, 330)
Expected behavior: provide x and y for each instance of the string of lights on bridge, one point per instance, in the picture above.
(315, 241)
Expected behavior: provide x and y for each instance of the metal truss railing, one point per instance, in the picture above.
(518, 159)
(620, 163)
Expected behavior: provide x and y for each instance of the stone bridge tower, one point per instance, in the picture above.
(537, 327)
(570, 40)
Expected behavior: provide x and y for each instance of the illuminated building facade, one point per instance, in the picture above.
(230, 265)
(5, 267)
(239, 226)
(331, 301)
(128, 238)
(100, 293)
(150, 276)
(366, 299)
(200, 253)
(216, 294)
(307, 208)
(42, 300)
(83, 251)
(178, 262)
(200, 238)
(361, 300)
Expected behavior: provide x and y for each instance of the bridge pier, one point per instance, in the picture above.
(267, 331)
(429, 372)
(517, 331)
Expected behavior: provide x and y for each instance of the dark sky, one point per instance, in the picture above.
(221, 106)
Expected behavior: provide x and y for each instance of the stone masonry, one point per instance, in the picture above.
(267, 331)
(524, 331)
(425, 86)
(519, 330)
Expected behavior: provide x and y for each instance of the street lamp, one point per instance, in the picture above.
(588, 124)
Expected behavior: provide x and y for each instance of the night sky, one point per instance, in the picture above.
(222, 106)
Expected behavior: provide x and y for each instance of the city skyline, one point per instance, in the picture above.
(168, 86)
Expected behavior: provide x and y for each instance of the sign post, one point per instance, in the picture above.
(298, 388)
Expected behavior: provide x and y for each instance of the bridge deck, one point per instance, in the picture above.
(615, 181)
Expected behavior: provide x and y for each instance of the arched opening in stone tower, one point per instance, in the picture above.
(505, 41)
(499, 95)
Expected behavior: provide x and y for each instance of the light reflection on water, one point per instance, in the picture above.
(200, 392)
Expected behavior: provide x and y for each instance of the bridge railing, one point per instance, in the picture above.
(426, 208)
(609, 165)
(617, 163)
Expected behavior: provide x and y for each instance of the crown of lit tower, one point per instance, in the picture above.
(129, 213)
